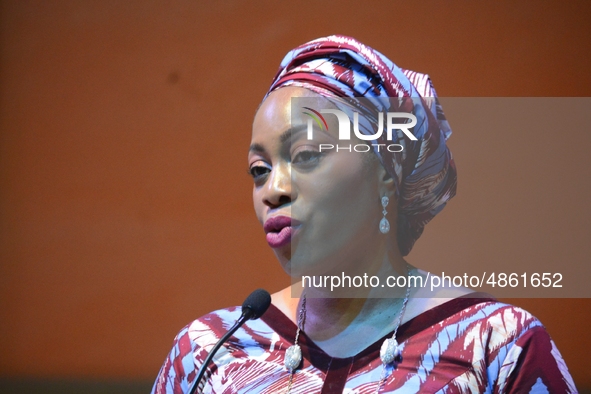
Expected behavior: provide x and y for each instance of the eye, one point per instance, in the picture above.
(259, 171)
(306, 157)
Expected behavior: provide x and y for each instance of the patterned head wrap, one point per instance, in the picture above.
(424, 172)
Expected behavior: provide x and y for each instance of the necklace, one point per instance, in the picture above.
(293, 354)
(390, 353)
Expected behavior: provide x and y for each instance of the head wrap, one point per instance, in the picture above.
(424, 173)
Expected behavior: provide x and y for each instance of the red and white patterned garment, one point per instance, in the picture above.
(466, 345)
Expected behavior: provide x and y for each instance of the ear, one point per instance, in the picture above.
(386, 182)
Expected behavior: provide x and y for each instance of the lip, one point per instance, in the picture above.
(280, 230)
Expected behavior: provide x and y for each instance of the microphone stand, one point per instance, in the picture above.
(246, 315)
(253, 307)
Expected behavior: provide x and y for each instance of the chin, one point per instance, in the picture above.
(284, 259)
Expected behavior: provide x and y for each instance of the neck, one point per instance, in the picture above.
(333, 321)
(366, 279)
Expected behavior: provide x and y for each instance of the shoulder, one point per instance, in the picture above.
(208, 329)
(203, 333)
(476, 323)
(473, 311)
(197, 337)
(493, 324)
(513, 347)
(501, 319)
(194, 341)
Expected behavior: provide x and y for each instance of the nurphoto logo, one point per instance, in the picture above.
(392, 123)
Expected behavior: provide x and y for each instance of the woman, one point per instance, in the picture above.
(326, 204)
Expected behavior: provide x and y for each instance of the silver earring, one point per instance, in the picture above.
(384, 223)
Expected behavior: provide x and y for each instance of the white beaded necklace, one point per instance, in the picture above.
(390, 353)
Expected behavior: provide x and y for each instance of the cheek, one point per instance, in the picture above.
(349, 176)
(258, 204)
(344, 190)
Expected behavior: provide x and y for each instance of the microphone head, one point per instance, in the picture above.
(256, 303)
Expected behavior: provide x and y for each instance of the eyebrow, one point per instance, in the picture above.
(283, 138)
(257, 148)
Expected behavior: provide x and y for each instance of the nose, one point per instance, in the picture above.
(278, 187)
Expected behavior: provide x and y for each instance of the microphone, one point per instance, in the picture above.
(253, 307)
(256, 304)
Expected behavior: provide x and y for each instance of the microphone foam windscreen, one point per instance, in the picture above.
(258, 302)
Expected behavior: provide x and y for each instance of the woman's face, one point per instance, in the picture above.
(320, 209)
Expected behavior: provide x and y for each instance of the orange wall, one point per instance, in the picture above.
(125, 207)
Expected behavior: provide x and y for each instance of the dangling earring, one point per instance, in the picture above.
(384, 223)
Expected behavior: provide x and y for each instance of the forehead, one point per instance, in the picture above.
(277, 115)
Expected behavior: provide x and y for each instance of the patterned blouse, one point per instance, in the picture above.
(466, 345)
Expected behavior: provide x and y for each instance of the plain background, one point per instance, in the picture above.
(125, 207)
